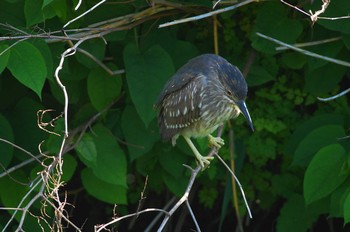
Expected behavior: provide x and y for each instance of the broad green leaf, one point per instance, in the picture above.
(27, 133)
(96, 47)
(12, 13)
(338, 197)
(33, 12)
(315, 140)
(113, 194)
(324, 174)
(347, 209)
(175, 185)
(172, 161)
(258, 76)
(139, 138)
(327, 49)
(6, 149)
(296, 216)
(272, 20)
(45, 3)
(87, 151)
(146, 74)
(103, 88)
(110, 161)
(27, 65)
(4, 57)
(294, 60)
(45, 51)
(69, 167)
(324, 79)
(307, 126)
(54, 142)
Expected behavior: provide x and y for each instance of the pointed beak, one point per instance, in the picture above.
(244, 110)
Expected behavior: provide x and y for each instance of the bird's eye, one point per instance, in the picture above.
(229, 93)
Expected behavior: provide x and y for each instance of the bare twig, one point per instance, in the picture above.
(305, 52)
(101, 227)
(83, 14)
(335, 96)
(206, 15)
(315, 16)
(101, 64)
(308, 44)
(239, 184)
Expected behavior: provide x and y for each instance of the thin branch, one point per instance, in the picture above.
(20, 148)
(239, 184)
(101, 227)
(83, 14)
(305, 52)
(335, 96)
(101, 64)
(206, 15)
(18, 166)
(308, 44)
(193, 216)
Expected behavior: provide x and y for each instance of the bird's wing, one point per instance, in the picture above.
(181, 107)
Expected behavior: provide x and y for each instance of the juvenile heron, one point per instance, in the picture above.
(202, 95)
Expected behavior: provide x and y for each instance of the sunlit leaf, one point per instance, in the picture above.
(28, 66)
(323, 175)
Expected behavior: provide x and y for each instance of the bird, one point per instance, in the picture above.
(202, 95)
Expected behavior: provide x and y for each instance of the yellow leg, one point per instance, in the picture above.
(203, 161)
(215, 141)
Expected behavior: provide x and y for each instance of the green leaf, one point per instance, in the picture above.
(295, 216)
(258, 76)
(175, 185)
(309, 125)
(96, 47)
(347, 209)
(146, 74)
(324, 79)
(45, 3)
(69, 167)
(140, 138)
(27, 133)
(172, 161)
(33, 12)
(329, 50)
(6, 149)
(294, 60)
(103, 88)
(114, 194)
(45, 51)
(87, 150)
(272, 20)
(338, 197)
(315, 140)
(27, 65)
(324, 174)
(110, 161)
(4, 57)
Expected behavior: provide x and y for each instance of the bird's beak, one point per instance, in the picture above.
(244, 110)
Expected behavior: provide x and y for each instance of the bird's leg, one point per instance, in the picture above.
(215, 141)
(203, 161)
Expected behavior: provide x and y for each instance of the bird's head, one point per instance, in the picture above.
(235, 89)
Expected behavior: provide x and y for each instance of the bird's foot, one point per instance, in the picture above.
(204, 161)
(215, 141)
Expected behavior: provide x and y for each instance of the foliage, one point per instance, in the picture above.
(294, 168)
